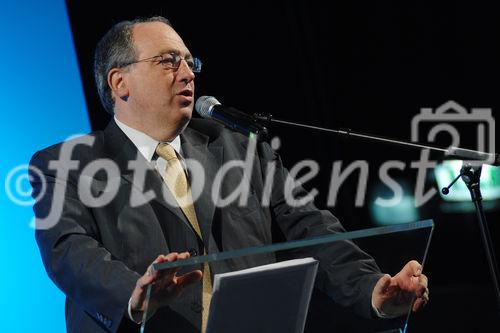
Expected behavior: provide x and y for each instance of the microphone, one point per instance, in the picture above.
(209, 107)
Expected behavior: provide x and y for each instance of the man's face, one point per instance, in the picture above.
(159, 95)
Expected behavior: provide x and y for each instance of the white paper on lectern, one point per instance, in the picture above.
(269, 298)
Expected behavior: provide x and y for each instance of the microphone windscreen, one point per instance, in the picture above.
(204, 105)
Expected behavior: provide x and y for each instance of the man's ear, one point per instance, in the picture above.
(118, 84)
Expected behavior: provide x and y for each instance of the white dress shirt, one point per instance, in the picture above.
(147, 146)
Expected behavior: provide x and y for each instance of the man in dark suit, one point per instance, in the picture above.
(108, 212)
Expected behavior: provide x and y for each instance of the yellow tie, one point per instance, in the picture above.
(176, 180)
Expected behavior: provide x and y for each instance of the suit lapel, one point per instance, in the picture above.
(208, 156)
(123, 151)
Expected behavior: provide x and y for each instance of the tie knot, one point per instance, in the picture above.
(166, 151)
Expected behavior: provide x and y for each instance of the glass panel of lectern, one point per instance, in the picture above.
(281, 297)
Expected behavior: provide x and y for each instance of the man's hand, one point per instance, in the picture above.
(166, 284)
(393, 296)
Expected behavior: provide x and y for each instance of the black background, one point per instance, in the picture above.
(369, 66)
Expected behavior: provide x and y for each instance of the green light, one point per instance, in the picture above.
(403, 212)
(447, 171)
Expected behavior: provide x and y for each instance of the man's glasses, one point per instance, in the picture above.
(172, 61)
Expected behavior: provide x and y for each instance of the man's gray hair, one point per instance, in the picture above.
(115, 50)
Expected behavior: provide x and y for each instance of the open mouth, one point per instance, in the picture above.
(186, 93)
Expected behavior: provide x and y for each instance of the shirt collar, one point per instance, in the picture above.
(144, 143)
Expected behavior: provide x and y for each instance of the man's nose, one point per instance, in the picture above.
(185, 73)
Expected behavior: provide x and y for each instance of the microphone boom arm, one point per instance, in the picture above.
(449, 153)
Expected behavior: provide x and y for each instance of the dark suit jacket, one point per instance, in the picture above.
(96, 254)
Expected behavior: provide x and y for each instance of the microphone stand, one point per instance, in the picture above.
(472, 162)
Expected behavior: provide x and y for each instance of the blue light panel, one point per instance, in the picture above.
(41, 103)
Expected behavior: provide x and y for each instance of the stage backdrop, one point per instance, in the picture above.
(41, 103)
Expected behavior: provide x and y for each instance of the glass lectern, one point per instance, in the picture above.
(390, 246)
